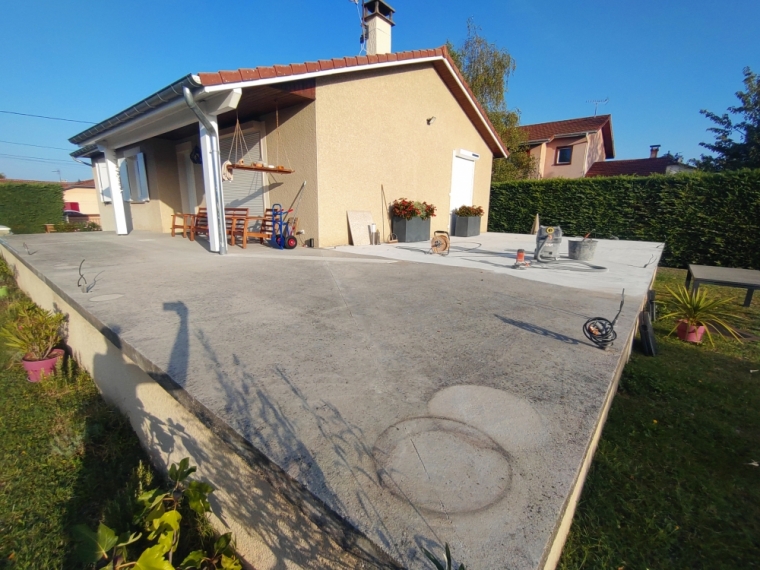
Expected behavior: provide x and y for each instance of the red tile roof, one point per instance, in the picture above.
(484, 126)
(81, 184)
(543, 131)
(556, 129)
(634, 167)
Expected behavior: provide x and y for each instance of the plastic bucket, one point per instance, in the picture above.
(581, 249)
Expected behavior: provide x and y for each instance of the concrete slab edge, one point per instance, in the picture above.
(300, 531)
(562, 529)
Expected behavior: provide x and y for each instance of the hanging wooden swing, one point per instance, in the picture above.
(240, 147)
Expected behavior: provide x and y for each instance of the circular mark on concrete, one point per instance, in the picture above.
(110, 297)
(510, 420)
(442, 465)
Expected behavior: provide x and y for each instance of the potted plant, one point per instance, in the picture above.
(411, 220)
(32, 337)
(467, 222)
(695, 313)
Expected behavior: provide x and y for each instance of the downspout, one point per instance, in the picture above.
(222, 223)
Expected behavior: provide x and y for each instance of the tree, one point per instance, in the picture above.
(2, 176)
(487, 69)
(732, 154)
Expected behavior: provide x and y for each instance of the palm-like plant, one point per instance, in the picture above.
(695, 309)
(33, 332)
(441, 565)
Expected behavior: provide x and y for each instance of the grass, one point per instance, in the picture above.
(673, 483)
(66, 458)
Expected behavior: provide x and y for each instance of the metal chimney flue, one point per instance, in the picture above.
(378, 21)
(653, 150)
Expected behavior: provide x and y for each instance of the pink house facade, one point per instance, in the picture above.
(568, 149)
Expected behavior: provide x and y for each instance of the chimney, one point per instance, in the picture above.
(653, 150)
(378, 21)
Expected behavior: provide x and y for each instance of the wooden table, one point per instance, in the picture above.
(748, 279)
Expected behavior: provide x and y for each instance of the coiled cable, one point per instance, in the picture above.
(601, 331)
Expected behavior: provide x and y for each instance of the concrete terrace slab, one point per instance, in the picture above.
(422, 403)
(629, 262)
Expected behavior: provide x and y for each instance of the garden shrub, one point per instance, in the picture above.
(703, 218)
(25, 207)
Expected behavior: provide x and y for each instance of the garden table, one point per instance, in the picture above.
(748, 279)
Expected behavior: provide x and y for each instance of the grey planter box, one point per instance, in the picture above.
(467, 227)
(412, 230)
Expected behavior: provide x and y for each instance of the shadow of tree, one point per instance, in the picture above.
(271, 513)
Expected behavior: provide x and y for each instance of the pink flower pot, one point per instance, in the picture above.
(35, 368)
(690, 334)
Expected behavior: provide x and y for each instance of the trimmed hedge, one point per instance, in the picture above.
(26, 207)
(707, 219)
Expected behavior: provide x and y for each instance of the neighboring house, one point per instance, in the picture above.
(667, 164)
(405, 122)
(81, 196)
(568, 149)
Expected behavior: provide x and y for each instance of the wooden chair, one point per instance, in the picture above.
(185, 224)
(199, 224)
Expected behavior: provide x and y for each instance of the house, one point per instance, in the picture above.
(667, 164)
(568, 149)
(350, 128)
(82, 197)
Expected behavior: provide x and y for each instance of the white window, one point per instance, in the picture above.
(564, 155)
(134, 177)
(104, 184)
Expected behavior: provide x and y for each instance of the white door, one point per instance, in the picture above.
(462, 181)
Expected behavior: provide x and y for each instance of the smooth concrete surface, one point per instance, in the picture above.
(416, 403)
(630, 263)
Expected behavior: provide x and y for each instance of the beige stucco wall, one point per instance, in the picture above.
(371, 130)
(576, 167)
(272, 531)
(163, 188)
(87, 198)
(297, 142)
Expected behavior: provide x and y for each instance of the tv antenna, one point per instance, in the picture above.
(363, 36)
(598, 102)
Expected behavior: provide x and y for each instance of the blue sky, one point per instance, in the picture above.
(658, 62)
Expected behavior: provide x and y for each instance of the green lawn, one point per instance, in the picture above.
(66, 458)
(672, 485)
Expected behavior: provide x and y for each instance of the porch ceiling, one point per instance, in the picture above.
(260, 100)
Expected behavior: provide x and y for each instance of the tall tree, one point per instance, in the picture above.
(487, 69)
(732, 154)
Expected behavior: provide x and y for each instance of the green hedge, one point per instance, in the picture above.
(708, 219)
(26, 207)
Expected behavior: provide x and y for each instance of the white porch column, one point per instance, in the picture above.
(117, 198)
(212, 183)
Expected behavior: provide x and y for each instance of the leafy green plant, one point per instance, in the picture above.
(33, 332)
(439, 564)
(68, 227)
(158, 520)
(695, 309)
(469, 211)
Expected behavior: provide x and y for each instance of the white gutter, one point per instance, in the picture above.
(216, 166)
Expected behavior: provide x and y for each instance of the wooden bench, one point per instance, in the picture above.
(198, 224)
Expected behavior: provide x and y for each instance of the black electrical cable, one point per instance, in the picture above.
(601, 331)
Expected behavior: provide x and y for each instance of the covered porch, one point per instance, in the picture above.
(168, 160)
